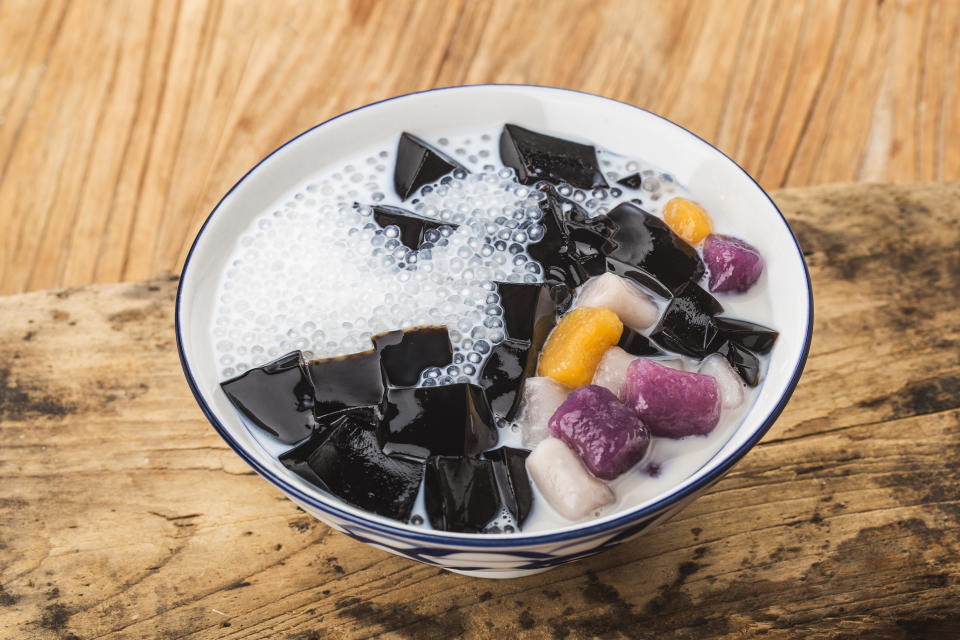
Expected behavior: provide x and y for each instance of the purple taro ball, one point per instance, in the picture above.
(673, 404)
(734, 265)
(607, 435)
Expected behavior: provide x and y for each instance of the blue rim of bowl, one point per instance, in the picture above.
(511, 541)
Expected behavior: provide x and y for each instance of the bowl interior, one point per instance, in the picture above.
(718, 183)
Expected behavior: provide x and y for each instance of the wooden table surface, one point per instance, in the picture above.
(124, 515)
(122, 123)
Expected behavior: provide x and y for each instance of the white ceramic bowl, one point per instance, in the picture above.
(716, 181)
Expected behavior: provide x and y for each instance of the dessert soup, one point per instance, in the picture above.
(492, 331)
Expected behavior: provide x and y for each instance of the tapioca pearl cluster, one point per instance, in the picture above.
(596, 201)
(283, 265)
(656, 185)
(471, 150)
(272, 301)
(497, 219)
(366, 177)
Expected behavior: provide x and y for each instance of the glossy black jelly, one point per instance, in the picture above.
(418, 164)
(648, 251)
(277, 397)
(449, 420)
(350, 464)
(687, 323)
(530, 310)
(632, 181)
(405, 354)
(553, 250)
(637, 344)
(576, 217)
(460, 494)
(368, 415)
(508, 365)
(746, 364)
(365, 416)
(573, 245)
(530, 313)
(755, 337)
(588, 249)
(413, 227)
(349, 381)
(588, 237)
(513, 483)
(536, 156)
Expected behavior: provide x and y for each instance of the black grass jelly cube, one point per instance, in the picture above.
(633, 181)
(687, 323)
(510, 470)
(344, 382)
(743, 362)
(508, 365)
(405, 354)
(412, 227)
(537, 156)
(449, 420)
(276, 397)
(349, 463)
(419, 164)
(648, 251)
(755, 337)
(460, 493)
(637, 344)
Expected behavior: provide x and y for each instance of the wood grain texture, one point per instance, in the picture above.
(123, 123)
(123, 514)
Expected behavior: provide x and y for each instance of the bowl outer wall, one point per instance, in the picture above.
(718, 182)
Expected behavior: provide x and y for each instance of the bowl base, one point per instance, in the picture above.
(497, 574)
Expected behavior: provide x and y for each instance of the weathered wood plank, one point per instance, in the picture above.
(122, 123)
(123, 514)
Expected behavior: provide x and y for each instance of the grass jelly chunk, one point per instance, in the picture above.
(637, 344)
(555, 251)
(755, 337)
(648, 251)
(687, 323)
(632, 181)
(350, 464)
(412, 227)
(277, 397)
(507, 366)
(404, 354)
(510, 470)
(355, 380)
(419, 164)
(450, 420)
(530, 310)
(529, 313)
(460, 493)
(537, 156)
(743, 362)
